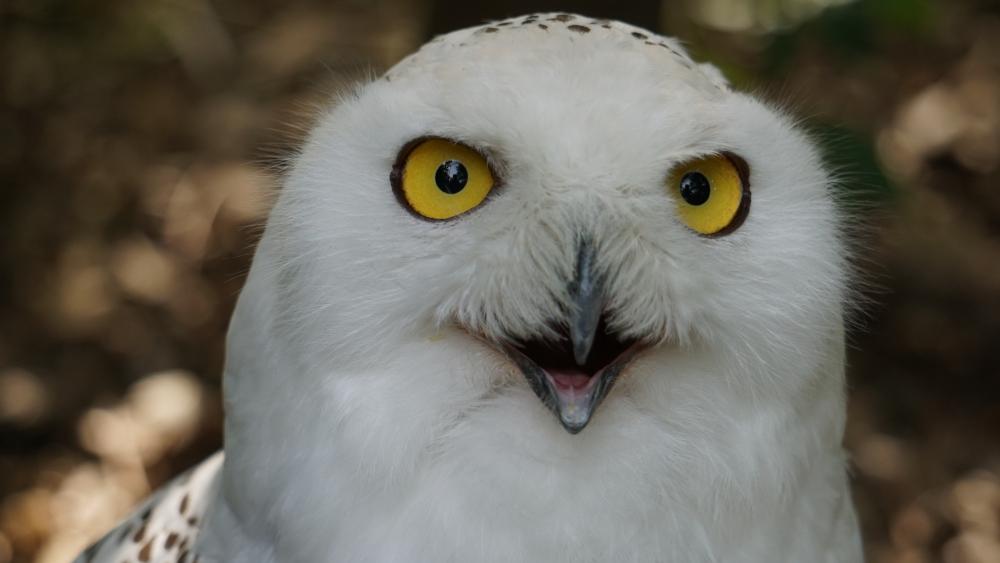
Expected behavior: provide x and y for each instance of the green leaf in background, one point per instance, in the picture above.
(851, 156)
(913, 16)
(851, 31)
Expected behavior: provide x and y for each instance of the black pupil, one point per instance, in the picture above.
(695, 188)
(451, 177)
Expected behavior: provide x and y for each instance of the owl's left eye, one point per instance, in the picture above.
(440, 179)
(712, 193)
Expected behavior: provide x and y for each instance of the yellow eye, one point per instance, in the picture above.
(440, 179)
(712, 193)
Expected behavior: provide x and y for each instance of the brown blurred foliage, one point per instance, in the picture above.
(140, 143)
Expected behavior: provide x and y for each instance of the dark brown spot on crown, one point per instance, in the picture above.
(543, 26)
(183, 557)
(490, 30)
(171, 540)
(638, 35)
(185, 500)
(501, 24)
(606, 25)
(140, 533)
(145, 551)
(579, 28)
(192, 521)
(146, 513)
(561, 18)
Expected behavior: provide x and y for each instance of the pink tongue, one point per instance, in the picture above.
(566, 380)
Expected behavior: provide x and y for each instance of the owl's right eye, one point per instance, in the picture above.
(439, 179)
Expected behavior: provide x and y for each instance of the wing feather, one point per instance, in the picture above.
(165, 528)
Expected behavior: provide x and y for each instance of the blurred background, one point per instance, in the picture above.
(138, 141)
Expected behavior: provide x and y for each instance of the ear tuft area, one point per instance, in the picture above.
(714, 75)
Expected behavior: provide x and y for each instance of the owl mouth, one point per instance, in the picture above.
(572, 374)
(572, 389)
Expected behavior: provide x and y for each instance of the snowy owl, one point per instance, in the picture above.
(546, 291)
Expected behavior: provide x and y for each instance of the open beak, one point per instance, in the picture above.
(573, 375)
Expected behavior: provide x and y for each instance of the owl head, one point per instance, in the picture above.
(542, 224)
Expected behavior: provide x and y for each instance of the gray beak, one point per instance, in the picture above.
(587, 302)
(572, 393)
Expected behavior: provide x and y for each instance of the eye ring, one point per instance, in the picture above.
(743, 170)
(446, 170)
(694, 172)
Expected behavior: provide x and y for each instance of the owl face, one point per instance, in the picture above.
(564, 205)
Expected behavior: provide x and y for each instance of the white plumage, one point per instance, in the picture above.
(379, 381)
